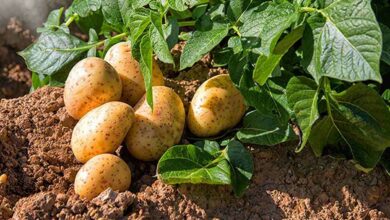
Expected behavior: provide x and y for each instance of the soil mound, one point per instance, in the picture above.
(35, 154)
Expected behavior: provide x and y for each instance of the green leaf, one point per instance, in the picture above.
(192, 164)
(146, 64)
(160, 46)
(53, 21)
(112, 13)
(323, 133)
(139, 3)
(172, 32)
(268, 124)
(93, 38)
(84, 7)
(362, 119)
(211, 147)
(182, 5)
(138, 21)
(200, 43)
(302, 96)
(386, 96)
(386, 44)
(241, 164)
(265, 65)
(53, 51)
(269, 24)
(347, 42)
(261, 129)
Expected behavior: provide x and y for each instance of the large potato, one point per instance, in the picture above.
(91, 83)
(154, 132)
(101, 130)
(119, 56)
(101, 172)
(216, 106)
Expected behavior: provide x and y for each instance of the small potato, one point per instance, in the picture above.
(154, 132)
(216, 106)
(91, 83)
(101, 130)
(119, 56)
(101, 172)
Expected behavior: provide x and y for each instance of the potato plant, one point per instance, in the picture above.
(322, 65)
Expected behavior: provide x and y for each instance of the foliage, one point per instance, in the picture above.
(321, 64)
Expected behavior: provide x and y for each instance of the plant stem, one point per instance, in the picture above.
(186, 23)
(236, 30)
(89, 46)
(71, 19)
(308, 9)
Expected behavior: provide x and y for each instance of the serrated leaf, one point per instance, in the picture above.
(302, 96)
(269, 24)
(160, 46)
(138, 23)
(112, 13)
(347, 42)
(146, 64)
(241, 164)
(53, 51)
(265, 65)
(192, 164)
(84, 7)
(386, 44)
(200, 43)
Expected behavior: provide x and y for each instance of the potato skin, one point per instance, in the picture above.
(101, 172)
(119, 56)
(154, 132)
(216, 106)
(91, 83)
(101, 130)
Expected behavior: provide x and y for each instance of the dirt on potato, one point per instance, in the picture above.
(36, 158)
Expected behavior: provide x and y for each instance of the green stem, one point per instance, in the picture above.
(71, 19)
(308, 9)
(235, 28)
(89, 46)
(186, 23)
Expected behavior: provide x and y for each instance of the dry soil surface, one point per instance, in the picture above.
(35, 133)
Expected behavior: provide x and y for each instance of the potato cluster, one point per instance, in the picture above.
(101, 93)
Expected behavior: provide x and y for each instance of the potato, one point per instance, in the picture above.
(119, 56)
(101, 172)
(91, 83)
(154, 132)
(101, 130)
(216, 106)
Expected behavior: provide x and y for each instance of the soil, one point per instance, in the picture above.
(37, 170)
(15, 79)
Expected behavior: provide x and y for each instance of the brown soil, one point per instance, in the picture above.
(15, 79)
(39, 169)
(35, 133)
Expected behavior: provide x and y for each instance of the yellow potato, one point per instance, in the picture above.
(102, 172)
(119, 56)
(216, 106)
(91, 83)
(101, 130)
(154, 132)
